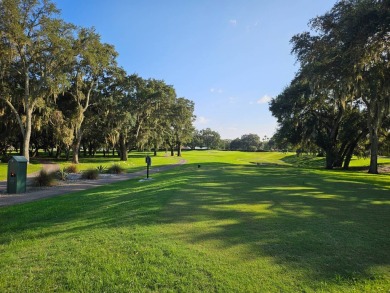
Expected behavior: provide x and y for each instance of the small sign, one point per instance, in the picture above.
(148, 161)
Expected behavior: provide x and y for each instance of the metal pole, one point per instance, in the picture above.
(147, 171)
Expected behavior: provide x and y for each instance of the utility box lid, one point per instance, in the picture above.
(20, 159)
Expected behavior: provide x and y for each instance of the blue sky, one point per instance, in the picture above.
(229, 57)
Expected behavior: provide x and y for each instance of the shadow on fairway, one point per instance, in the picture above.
(324, 225)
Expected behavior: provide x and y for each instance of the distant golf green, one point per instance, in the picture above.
(223, 222)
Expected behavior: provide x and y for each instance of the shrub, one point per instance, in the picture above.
(101, 169)
(44, 178)
(5, 158)
(90, 174)
(62, 174)
(116, 169)
(72, 169)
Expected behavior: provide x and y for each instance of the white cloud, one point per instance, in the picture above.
(218, 91)
(232, 100)
(233, 22)
(201, 120)
(264, 99)
(252, 26)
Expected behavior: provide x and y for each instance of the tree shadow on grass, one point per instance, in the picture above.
(321, 223)
(324, 224)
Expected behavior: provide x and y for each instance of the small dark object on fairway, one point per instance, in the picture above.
(198, 166)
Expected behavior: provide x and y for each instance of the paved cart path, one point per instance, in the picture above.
(69, 186)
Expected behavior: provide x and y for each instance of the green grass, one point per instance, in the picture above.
(135, 162)
(31, 168)
(242, 222)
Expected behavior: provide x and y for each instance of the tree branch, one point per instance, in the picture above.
(16, 114)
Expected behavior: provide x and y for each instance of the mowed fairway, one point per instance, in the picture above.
(242, 222)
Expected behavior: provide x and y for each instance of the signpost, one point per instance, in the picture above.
(148, 161)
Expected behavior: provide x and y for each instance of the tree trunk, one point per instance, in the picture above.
(374, 151)
(76, 146)
(75, 149)
(90, 150)
(179, 149)
(67, 153)
(351, 148)
(330, 159)
(155, 147)
(123, 148)
(35, 151)
(341, 155)
(376, 113)
(27, 135)
(348, 156)
(58, 152)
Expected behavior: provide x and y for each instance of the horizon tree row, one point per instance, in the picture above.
(61, 88)
(211, 139)
(340, 98)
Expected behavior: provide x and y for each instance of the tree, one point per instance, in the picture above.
(317, 119)
(211, 139)
(235, 144)
(35, 47)
(344, 63)
(370, 49)
(250, 142)
(91, 62)
(180, 119)
(360, 28)
(160, 100)
(196, 140)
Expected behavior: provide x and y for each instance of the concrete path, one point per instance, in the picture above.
(69, 186)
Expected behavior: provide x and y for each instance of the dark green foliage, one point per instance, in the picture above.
(339, 94)
(62, 174)
(116, 169)
(91, 174)
(101, 169)
(44, 178)
(72, 169)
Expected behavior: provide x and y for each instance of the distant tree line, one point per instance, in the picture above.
(61, 90)
(339, 100)
(210, 139)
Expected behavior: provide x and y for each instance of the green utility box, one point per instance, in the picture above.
(17, 174)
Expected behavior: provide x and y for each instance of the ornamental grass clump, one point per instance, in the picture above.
(116, 169)
(62, 174)
(72, 169)
(101, 169)
(90, 174)
(44, 178)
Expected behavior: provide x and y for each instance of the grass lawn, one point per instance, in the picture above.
(242, 222)
(136, 162)
(31, 168)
